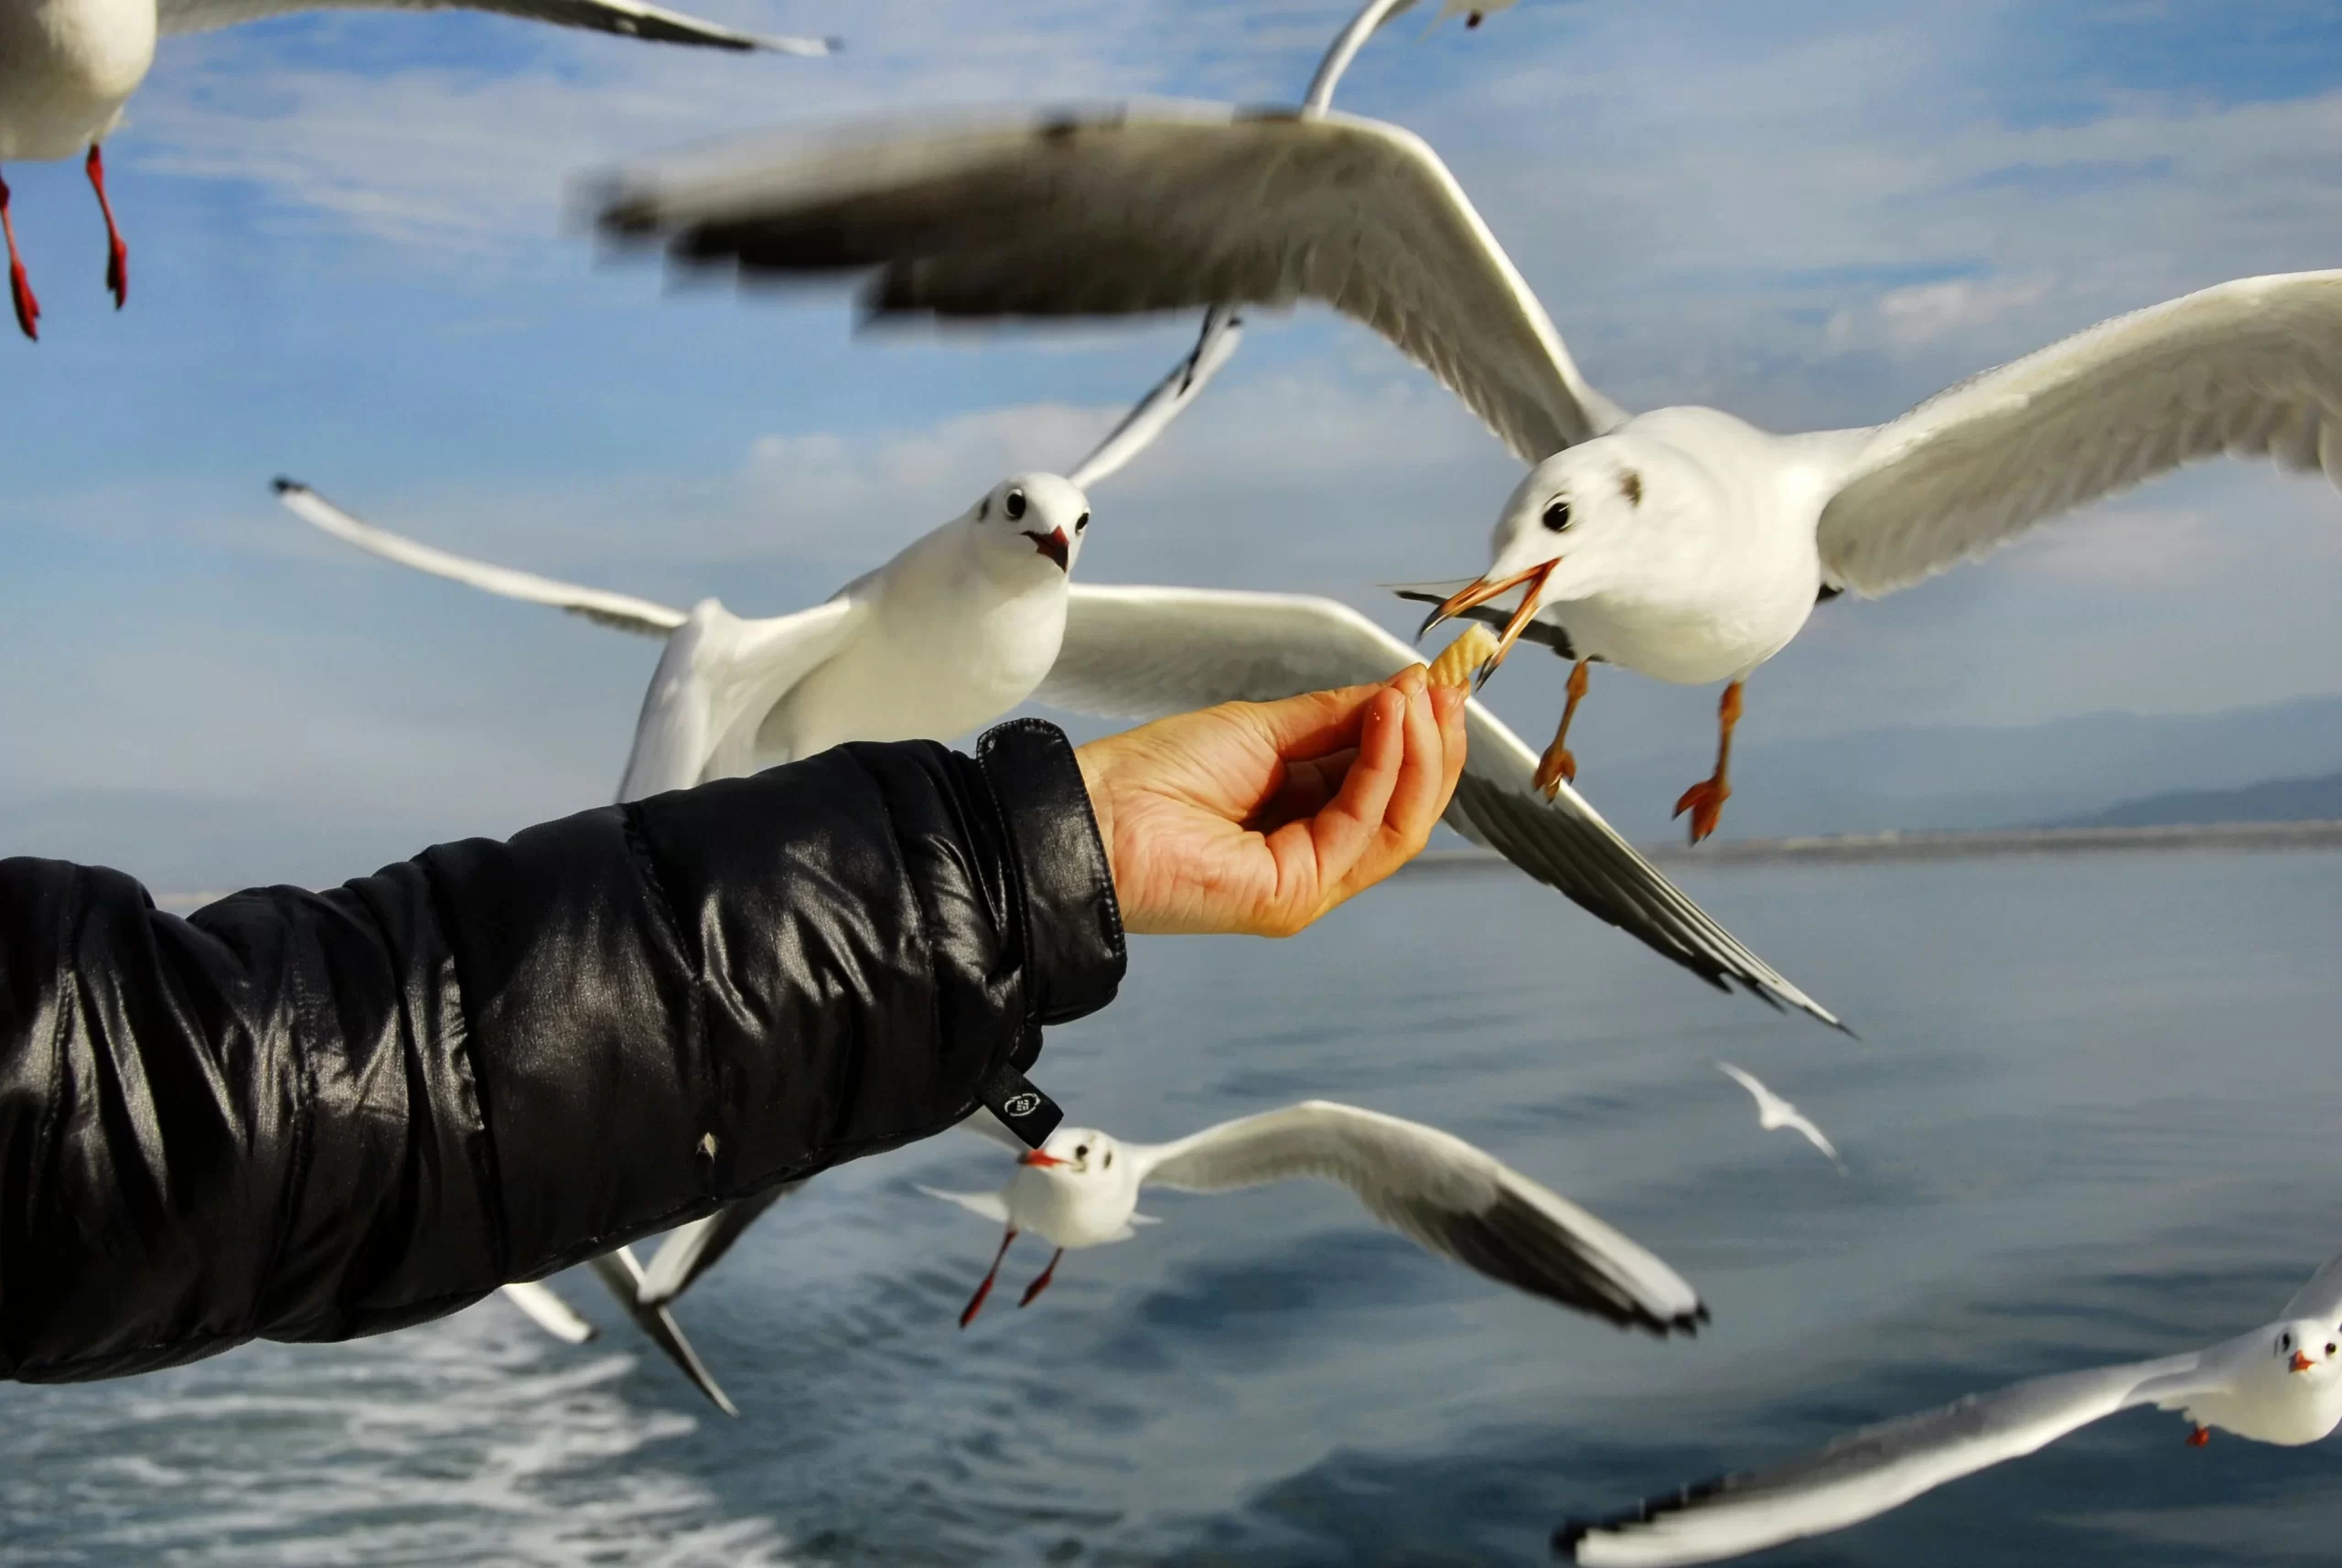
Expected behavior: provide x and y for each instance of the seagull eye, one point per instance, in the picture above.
(1082, 1151)
(1557, 515)
(2284, 1341)
(1110, 1165)
(1081, 522)
(1013, 505)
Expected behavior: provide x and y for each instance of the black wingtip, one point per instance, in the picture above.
(1567, 1534)
(285, 487)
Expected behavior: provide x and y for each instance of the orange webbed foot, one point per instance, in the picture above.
(20, 295)
(1556, 767)
(1705, 801)
(118, 273)
(2199, 1438)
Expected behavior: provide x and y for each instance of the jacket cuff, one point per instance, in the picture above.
(1073, 927)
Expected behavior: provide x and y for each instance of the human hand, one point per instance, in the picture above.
(1259, 817)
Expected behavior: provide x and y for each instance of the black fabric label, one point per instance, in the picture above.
(1022, 1109)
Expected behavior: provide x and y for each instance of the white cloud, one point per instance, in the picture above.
(1908, 317)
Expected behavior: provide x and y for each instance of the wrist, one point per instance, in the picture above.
(1102, 802)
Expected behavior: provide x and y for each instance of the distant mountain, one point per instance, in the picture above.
(1973, 776)
(2273, 801)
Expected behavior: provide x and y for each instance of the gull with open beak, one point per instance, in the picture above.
(1081, 1188)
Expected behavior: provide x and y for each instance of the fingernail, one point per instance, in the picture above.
(1412, 680)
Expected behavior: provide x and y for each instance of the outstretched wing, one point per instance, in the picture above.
(690, 1250)
(984, 1205)
(549, 1312)
(1134, 209)
(622, 611)
(1878, 1468)
(1222, 331)
(1142, 652)
(1445, 1194)
(2249, 368)
(629, 19)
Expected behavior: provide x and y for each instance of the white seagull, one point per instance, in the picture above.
(1773, 1113)
(2280, 1384)
(1080, 1189)
(67, 67)
(1684, 542)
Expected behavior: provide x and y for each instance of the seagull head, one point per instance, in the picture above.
(2309, 1349)
(1560, 536)
(1029, 526)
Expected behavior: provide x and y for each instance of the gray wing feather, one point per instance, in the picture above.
(1447, 1196)
(1223, 332)
(1136, 208)
(1142, 652)
(1868, 1473)
(627, 18)
(2250, 367)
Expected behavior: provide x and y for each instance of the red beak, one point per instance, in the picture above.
(1481, 592)
(1053, 544)
(1035, 1158)
(2302, 1363)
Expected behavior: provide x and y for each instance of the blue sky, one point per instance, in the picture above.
(351, 260)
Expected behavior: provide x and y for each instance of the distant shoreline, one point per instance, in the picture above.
(1932, 846)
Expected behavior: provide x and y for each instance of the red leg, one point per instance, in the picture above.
(2199, 1438)
(976, 1302)
(1557, 764)
(117, 253)
(20, 293)
(1705, 799)
(1037, 1286)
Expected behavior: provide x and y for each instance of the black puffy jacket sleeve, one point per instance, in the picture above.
(302, 1115)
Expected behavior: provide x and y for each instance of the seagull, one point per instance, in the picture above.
(67, 67)
(953, 632)
(2280, 1384)
(1683, 542)
(1773, 1113)
(1081, 1188)
(549, 1312)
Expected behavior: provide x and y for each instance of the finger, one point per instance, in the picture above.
(1339, 836)
(1451, 704)
(1420, 793)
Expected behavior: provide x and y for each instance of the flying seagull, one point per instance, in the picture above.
(1684, 543)
(67, 67)
(1774, 1113)
(1081, 1187)
(2279, 1384)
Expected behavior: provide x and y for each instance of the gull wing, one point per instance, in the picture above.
(717, 678)
(623, 1275)
(629, 19)
(690, 1250)
(1134, 209)
(2321, 1299)
(1878, 1468)
(1448, 1196)
(2250, 367)
(1222, 331)
(1142, 652)
(622, 611)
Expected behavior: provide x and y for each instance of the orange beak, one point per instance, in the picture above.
(1035, 1158)
(2302, 1363)
(1053, 544)
(1481, 592)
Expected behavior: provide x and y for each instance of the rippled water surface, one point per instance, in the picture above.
(2092, 1116)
